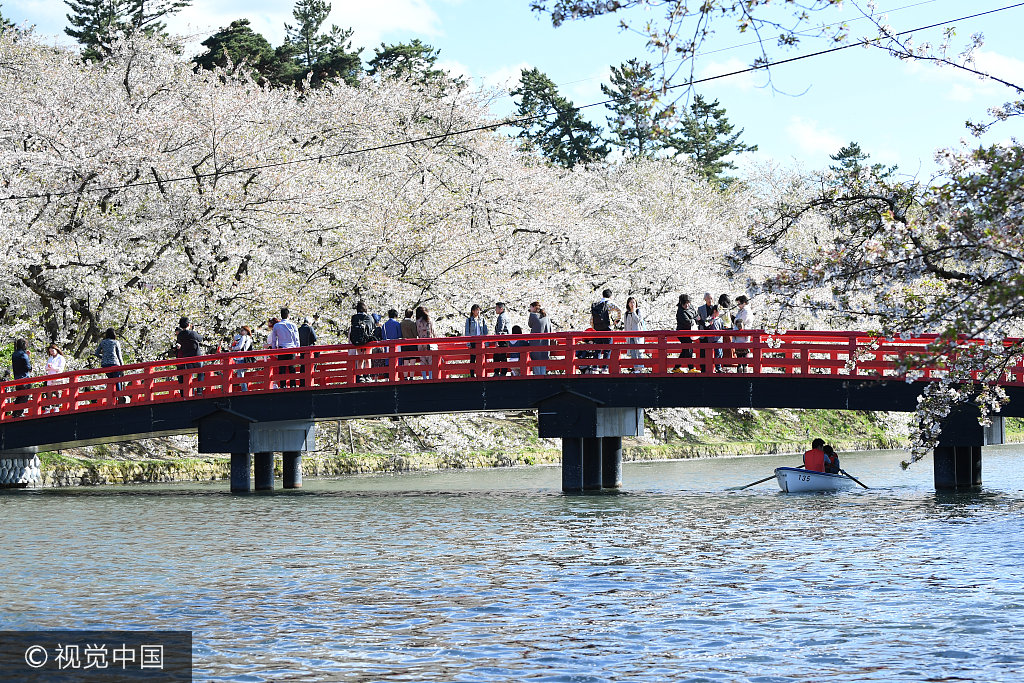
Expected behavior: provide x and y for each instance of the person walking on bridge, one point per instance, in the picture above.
(501, 326)
(55, 364)
(425, 330)
(109, 352)
(242, 341)
(284, 335)
(814, 459)
(476, 326)
(188, 343)
(21, 366)
(539, 324)
(307, 337)
(743, 320)
(409, 331)
(704, 315)
(686, 319)
(361, 332)
(601, 320)
(633, 322)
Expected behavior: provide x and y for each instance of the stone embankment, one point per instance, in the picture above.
(20, 471)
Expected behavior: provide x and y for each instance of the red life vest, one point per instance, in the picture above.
(814, 460)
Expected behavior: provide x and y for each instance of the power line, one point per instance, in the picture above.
(804, 33)
(516, 121)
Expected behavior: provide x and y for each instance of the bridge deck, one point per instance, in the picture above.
(793, 369)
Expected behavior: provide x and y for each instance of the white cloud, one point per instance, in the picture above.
(372, 22)
(811, 138)
(966, 87)
(588, 89)
(744, 81)
(506, 77)
(457, 69)
(1008, 68)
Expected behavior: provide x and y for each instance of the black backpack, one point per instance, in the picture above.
(362, 329)
(602, 315)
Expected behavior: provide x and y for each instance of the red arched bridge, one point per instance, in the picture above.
(589, 388)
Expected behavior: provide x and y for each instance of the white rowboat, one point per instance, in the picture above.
(796, 480)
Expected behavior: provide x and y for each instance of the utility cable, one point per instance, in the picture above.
(515, 121)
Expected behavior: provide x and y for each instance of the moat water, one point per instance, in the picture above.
(495, 575)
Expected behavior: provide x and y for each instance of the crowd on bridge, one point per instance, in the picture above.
(283, 333)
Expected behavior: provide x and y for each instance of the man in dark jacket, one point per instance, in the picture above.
(704, 322)
(21, 366)
(307, 336)
(188, 344)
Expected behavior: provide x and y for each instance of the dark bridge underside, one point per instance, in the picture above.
(127, 423)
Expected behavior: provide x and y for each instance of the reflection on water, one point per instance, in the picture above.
(496, 576)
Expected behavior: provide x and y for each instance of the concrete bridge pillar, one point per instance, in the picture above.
(592, 463)
(957, 467)
(611, 462)
(591, 435)
(957, 457)
(291, 462)
(572, 464)
(241, 463)
(263, 468)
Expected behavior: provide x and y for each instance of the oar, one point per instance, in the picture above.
(842, 471)
(740, 488)
(753, 483)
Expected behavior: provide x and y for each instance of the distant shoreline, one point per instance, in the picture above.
(61, 471)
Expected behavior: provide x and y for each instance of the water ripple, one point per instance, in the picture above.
(495, 576)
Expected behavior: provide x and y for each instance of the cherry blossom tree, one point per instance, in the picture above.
(140, 189)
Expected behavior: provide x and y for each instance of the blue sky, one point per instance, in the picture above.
(899, 112)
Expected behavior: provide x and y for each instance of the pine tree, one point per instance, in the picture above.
(327, 55)
(851, 165)
(239, 44)
(5, 23)
(147, 15)
(559, 132)
(93, 22)
(413, 60)
(705, 136)
(636, 124)
(305, 35)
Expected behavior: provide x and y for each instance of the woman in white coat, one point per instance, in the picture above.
(634, 322)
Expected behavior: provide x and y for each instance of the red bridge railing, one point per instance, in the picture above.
(752, 353)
